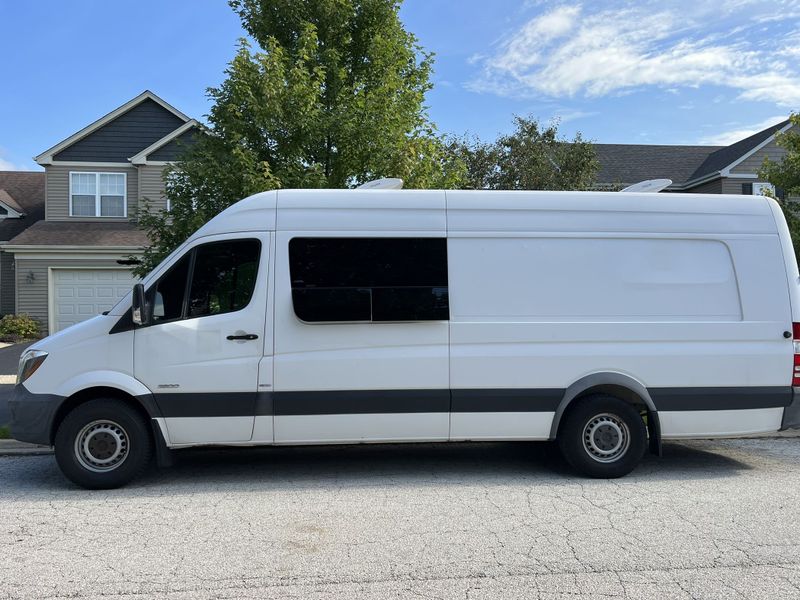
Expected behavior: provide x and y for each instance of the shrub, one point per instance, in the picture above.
(5, 433)
(15, 328)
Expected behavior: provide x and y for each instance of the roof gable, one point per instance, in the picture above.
(170, 146)
(120, 134)
(12, 206)
(26, 188)
(729, 155)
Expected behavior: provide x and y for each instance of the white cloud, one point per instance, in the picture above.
(6, 165)
(573, 50)
(565, 116)
(734, 135)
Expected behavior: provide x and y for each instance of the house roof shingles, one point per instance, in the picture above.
(64, 233)
(630, 163)
(26, 189)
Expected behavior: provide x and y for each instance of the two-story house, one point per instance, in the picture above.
(73, 264)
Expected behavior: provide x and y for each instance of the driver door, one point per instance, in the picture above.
(201, 351)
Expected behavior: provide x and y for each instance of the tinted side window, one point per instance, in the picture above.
(224, 277)
(369, 279)
(167, 296)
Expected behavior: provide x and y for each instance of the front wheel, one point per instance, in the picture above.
(602, 436)
(103, 444)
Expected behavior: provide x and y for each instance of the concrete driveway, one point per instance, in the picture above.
(709, 520)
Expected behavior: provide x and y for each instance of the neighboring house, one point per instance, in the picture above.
(21, 205)
(72, 264)
(700, 169)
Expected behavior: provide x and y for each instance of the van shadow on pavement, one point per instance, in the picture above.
(417, 464)
(369, 465)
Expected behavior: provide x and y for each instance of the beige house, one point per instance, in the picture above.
(74, 263)
(696, 169)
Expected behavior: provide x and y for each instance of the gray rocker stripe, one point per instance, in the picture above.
(437, 401)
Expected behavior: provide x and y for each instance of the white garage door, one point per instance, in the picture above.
(79, 294)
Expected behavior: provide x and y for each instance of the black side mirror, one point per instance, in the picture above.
(139, 311)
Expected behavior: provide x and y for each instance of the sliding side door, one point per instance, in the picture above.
(361, 349)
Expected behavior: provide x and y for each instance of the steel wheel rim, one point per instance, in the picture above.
(606, 438)
(102, 446)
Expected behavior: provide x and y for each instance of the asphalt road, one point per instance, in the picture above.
(709, 520)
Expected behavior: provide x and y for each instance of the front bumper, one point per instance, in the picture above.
(791, 414)
(32, 415)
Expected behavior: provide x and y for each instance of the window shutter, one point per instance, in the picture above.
(747, 189)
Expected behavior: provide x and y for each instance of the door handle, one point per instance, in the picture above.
(244, 336)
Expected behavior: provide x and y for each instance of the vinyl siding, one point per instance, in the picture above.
(7, 283)
(57, 191)
(712, 187)
(753, 163)
(734, 186)
(32, 295)
(128, 134)
(151, 186)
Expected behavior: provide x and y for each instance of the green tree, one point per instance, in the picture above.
(785, 175)
(532, 157)
(332, 97)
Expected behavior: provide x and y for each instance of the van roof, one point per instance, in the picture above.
(424, 210)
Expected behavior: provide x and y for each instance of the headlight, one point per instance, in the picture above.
(29, 362)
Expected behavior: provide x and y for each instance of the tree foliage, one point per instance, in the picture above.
(332, 96)
(785, 175)
(532, 157)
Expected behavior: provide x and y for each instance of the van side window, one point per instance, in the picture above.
(223, 277)
(369, 279)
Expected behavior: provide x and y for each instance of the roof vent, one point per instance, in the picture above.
(387, 183)
(650, 186)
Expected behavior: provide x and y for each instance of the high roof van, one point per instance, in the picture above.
(605, 321)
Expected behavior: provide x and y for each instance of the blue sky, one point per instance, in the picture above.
(679, 72)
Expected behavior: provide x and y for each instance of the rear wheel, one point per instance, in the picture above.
(602, 436)
(103, 444)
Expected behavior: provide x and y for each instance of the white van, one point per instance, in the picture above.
(605, 321)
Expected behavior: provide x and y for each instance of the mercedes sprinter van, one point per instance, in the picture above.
(605, 321)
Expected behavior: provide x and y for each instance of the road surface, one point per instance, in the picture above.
(712, 519)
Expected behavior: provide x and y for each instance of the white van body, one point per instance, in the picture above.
(682, 303)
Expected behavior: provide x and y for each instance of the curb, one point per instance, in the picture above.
(15, 448)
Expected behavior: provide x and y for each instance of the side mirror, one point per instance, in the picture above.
(139, 306)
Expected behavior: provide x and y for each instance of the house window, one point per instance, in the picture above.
(759, 188)
(97, 194)
(369, 279)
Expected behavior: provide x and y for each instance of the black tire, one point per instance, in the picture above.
(114, 448)
(602, 436)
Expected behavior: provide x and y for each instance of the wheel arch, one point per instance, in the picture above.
(143, 403)
(620, 385)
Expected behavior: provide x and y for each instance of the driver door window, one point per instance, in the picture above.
(223, 277)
